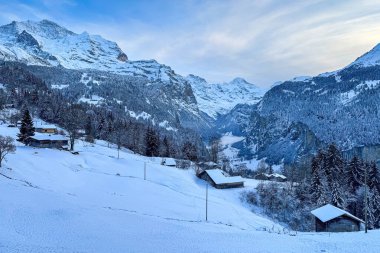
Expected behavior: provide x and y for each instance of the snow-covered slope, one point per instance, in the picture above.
(53, 201)
(215, 99)
(370, 58)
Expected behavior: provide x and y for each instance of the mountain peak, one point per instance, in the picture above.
(49, 44)
(370, 58)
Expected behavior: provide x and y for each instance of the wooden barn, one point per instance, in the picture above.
(277, 177)
(329, 218)
(47, 141)
(272, 177)
(49, 129)
(262, 176)
(171, 162)
(219, 180)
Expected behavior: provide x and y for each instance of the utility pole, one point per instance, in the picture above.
(144, 170)
(366, 199)
(206, 199)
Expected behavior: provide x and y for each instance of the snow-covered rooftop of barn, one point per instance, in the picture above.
(329, 212)
(51, 137)
(170, 162)
(277, 175)
(219, 178)
(46, 126)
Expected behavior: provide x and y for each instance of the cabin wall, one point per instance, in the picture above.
(229, 185)
(47, 144)
(343, 224)
(340, 224)
(46, 130)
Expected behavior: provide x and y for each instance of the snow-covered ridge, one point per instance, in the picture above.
(370, 58)
(45, 43)
(220, 98)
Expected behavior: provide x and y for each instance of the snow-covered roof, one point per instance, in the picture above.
(219, 178)
(46, 126)
(277, 175)
(329, 212)
(50, 137)
(170, 162)
(211, 163)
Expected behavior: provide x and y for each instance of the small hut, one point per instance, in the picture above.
(277, 177)
(262, 176)
(329, 218)
(219, 180)
(50, 129)
(171, 162)
(47, 141)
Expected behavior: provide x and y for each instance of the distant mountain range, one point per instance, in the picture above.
(292, 119)
(45, 43)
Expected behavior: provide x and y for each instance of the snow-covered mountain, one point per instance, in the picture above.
(217, 99)
(370, 58)
(298, 116)
(45, 43)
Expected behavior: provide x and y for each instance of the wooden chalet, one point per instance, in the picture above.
(262, 176)
(50, 129)
(219, 180)
(329, 218)
(272, 177)
(171, 162)
(48, 141)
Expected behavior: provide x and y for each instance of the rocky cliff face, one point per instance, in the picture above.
(218, 99)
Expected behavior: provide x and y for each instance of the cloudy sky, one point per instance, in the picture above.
(262, 41)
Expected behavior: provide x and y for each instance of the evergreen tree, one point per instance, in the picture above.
(337, 198)
(189, 151)
(152, 142)
(166, 147)
(27, 128)
(334, 165)
(353, 174)
(376, 206)
(373, 176)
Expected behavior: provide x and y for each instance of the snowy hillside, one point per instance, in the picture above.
(54, 201)
(215, 99)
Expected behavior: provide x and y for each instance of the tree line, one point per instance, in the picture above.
(352, 185)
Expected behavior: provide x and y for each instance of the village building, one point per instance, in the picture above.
(272, 177)
(208, 165)
(262, 176)
(171, 162)
(47, 141)
(219, 180)
(329, 218)
(277, 177)
(50, 129)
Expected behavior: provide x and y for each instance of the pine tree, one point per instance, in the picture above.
(353, 174)
(334, 165)
(316, 187)
(376, 206)
(166, 147)
(27, 128)
(190, 151)
(152, 142)
(373, 176)
(337, 198)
